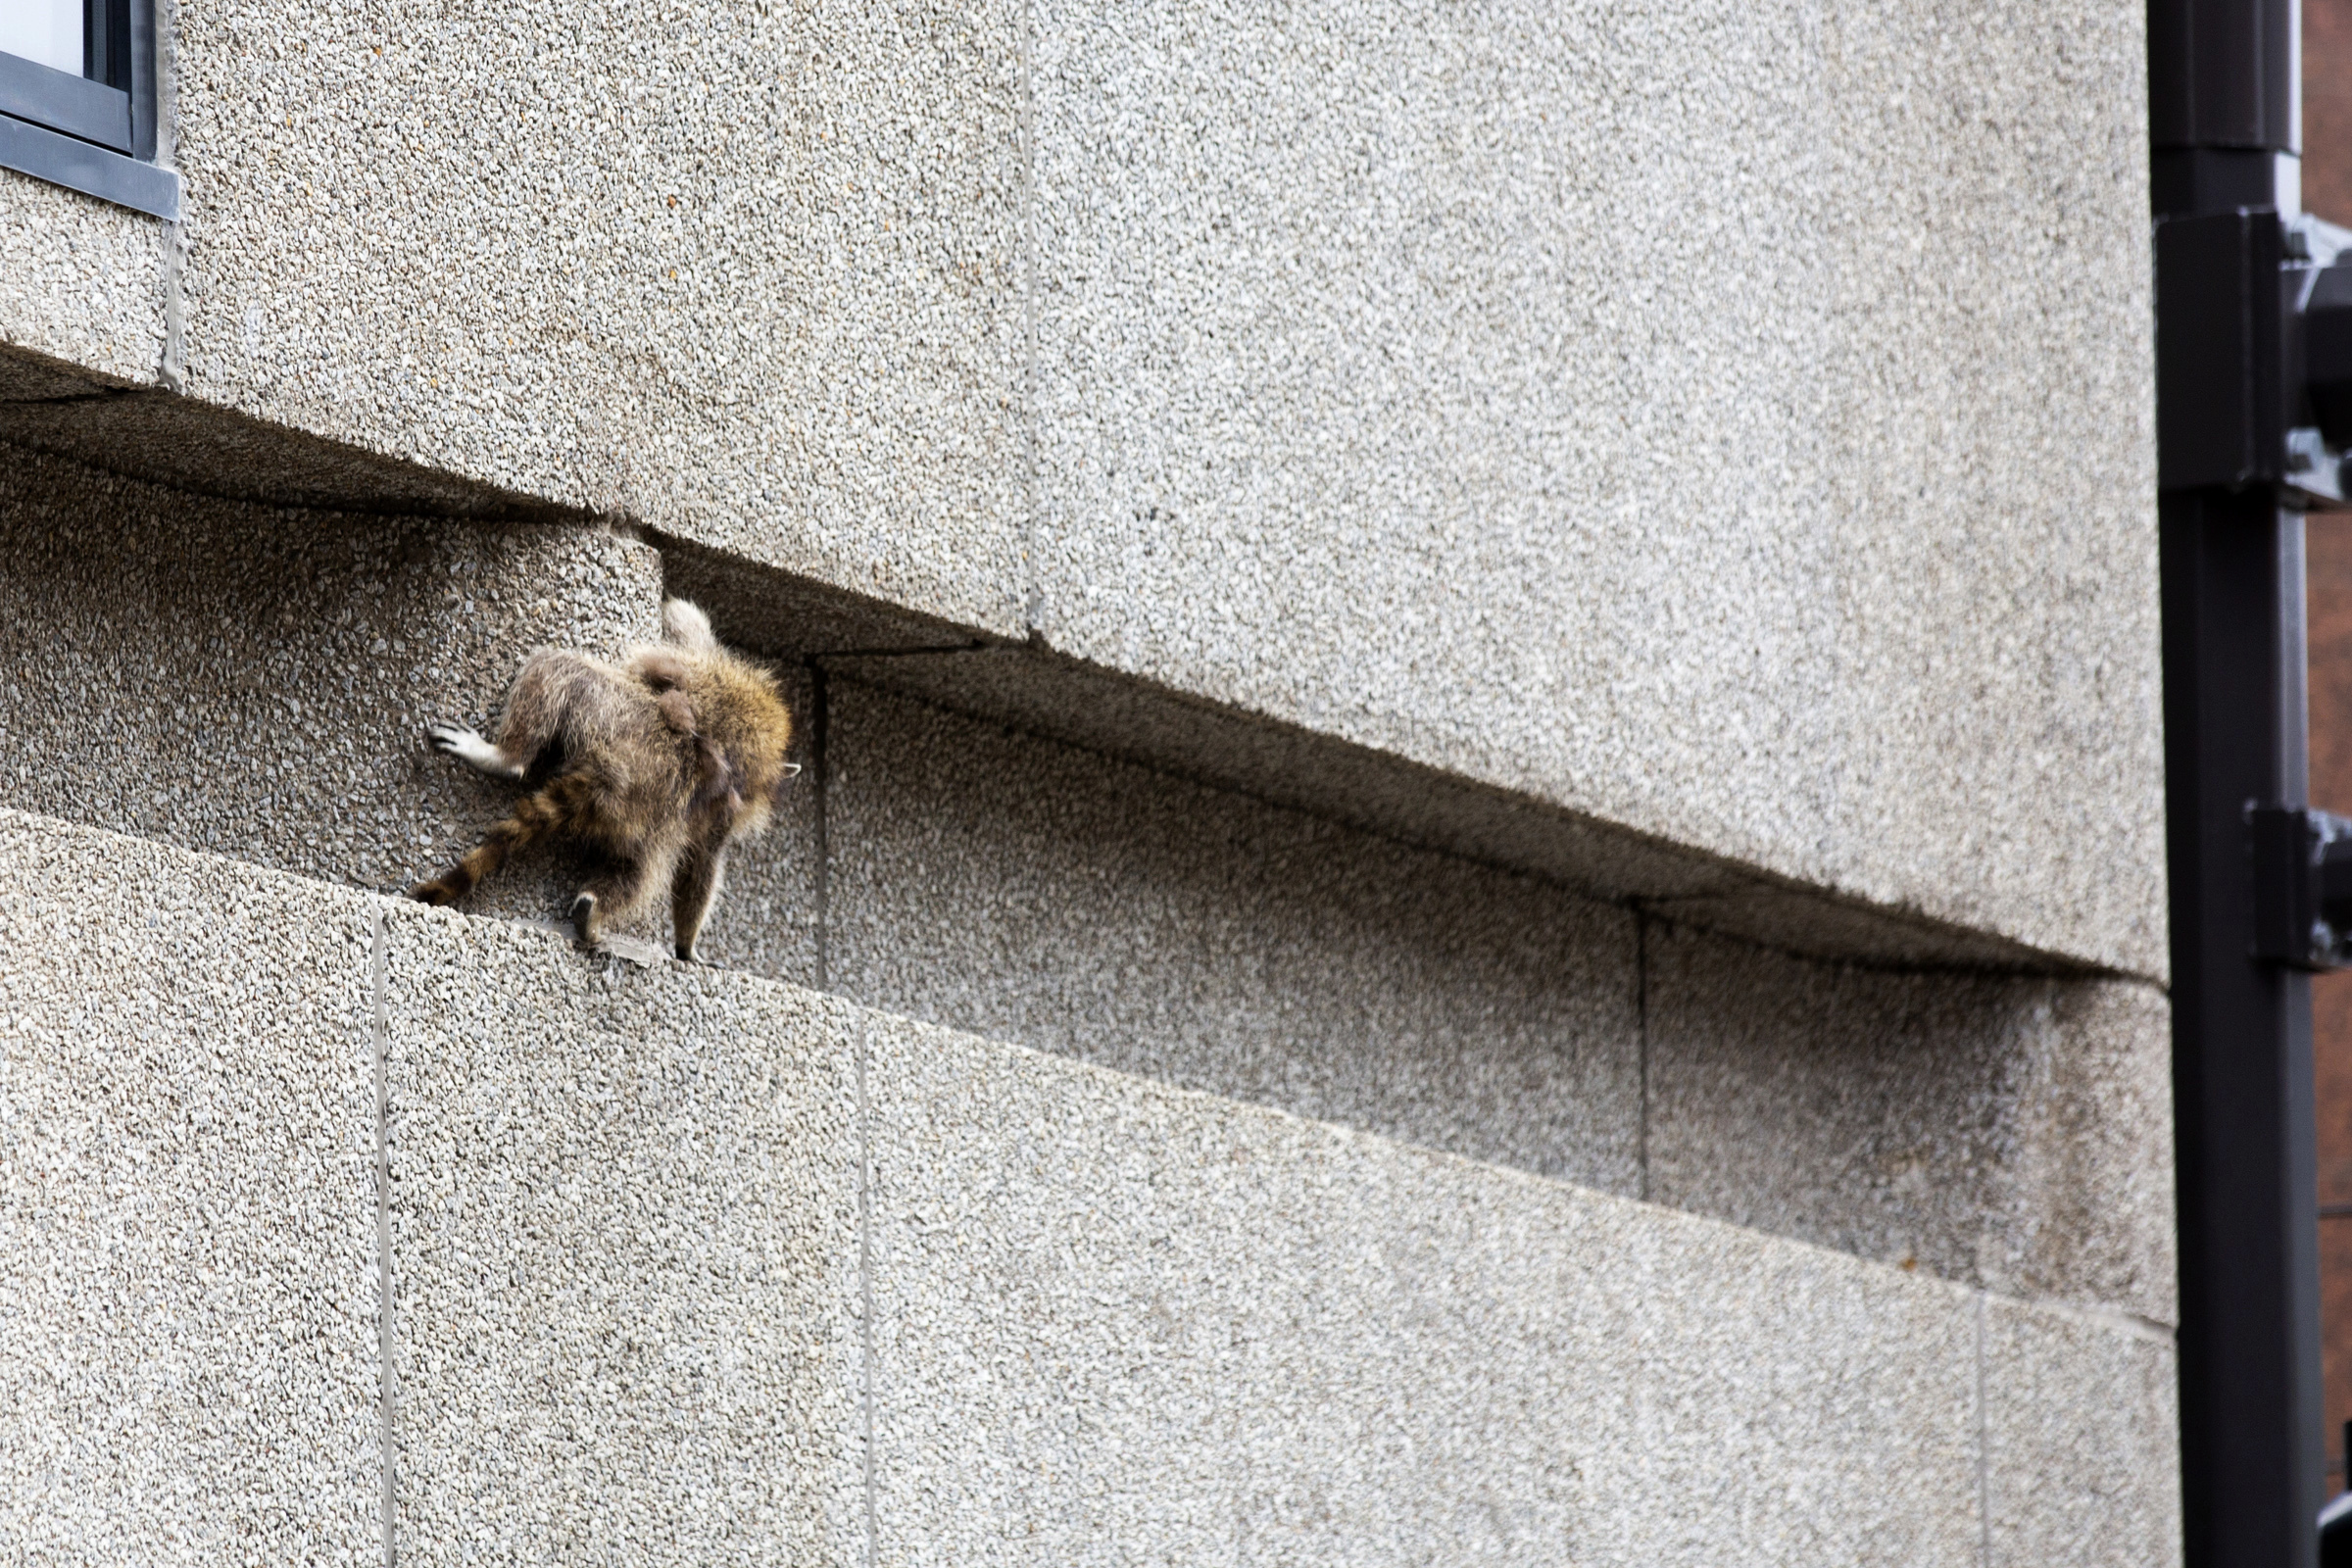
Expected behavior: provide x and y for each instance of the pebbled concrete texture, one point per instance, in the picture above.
(1115, 1322)
(624, 1224)
(189, 1290)
(2015, 1134)
(748, 277)
(2080, 1437)
(668, 1244)
(1691, 419)
(82, 282)
(1035, 893)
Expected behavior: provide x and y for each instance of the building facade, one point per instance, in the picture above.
(1479, 875)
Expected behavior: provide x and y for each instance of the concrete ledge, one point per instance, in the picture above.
(623, 1224)
(1110, 1321)
(1196, 1333)
(255, 683)
(1402, 798)
(1116, 1323)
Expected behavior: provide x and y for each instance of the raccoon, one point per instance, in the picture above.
(651, 768)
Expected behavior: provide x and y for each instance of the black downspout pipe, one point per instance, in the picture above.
(2222, 78)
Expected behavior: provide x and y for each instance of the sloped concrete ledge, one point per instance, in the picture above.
(1118, 1323)
(715, 1268)
(1069, 700)
(160, 438)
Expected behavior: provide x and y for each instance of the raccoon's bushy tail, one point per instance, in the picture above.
(550, 811)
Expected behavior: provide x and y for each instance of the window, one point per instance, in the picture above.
(78, 98)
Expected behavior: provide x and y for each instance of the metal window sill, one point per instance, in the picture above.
(85, 167)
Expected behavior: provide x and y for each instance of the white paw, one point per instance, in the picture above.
(468, 747)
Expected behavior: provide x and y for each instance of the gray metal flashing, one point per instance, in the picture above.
(63, 101)
(82, 165)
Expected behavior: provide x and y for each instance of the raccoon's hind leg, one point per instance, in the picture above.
(552, 686)
(691, 889)
(609, 896)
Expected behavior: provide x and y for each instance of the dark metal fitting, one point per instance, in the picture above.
(2254, 364)
(2302, 887)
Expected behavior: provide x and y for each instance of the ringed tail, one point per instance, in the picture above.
(535, 817)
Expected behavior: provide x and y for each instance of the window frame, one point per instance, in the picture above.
(95, 132)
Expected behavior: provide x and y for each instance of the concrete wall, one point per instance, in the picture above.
(253, 683)
(1480, 877)
(714, 1269)
(2008, 1132)
(1727, 429)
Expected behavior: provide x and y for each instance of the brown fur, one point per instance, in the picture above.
(652, 768)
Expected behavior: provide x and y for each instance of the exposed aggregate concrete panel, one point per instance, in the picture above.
(81, 281)
(2015, 1134)
(1111, 1320)
(1030, 892)
(1118, 1323)
(625, 1239)
(748, 274)
(189, 1366)
(1694, 415)
(2082, 1424)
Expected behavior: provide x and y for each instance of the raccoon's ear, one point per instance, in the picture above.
(685, 625)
